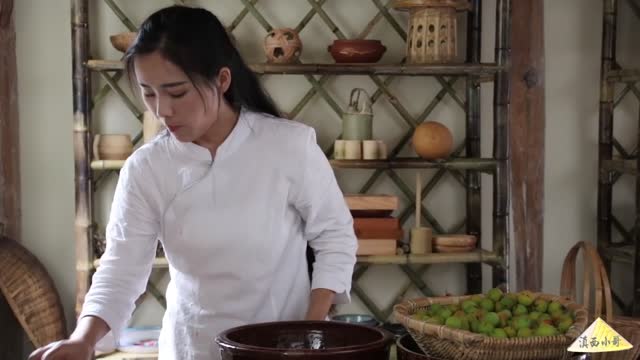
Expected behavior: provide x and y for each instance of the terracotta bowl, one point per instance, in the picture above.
(304, 340)
(356, 51)
(122, 41)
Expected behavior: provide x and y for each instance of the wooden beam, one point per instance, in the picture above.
(9, 143)
(11, 335)
(527, 140)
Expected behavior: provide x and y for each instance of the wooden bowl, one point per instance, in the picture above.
(123, 41)
(304, 340)
(112, 146)
(356, 51)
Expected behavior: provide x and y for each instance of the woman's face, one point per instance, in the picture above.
(173, 98)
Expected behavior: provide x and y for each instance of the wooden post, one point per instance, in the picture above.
(9, 143)
(473, 125)
(605, 125)
(527, 140)
(81, 148)
(501, 145)
(11, 338)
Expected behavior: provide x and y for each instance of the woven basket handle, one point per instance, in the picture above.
(595, 275)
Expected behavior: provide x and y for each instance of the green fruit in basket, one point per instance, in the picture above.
(526, 298)
(500, 307)
(558, 315)
(535, 315)
(554, 306)
(485, 328)
(487, 304)
(520, 310)
(495, 294)
(541, 305)
(505, 316)
(524, 332)
(454, 322)
(564, 325)
(422, 313)
(521, 322)
(492, 318)
(435, 308)
(474, 324)
(453, 308)
(445, 313)
(508, 301)
(469, 306)
(499, 334)
(546, 330)
(477, 298)
(511, 332)
(545, 319)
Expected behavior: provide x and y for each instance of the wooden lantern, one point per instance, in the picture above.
(433, 28)
(282, 46)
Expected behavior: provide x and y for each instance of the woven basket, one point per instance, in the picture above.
(596, 279)
(31, 294)
(448, 343)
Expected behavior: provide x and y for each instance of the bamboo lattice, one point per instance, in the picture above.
(464, 167)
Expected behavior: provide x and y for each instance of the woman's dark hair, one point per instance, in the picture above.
(196, 41)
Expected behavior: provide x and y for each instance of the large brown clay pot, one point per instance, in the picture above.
(305, 340)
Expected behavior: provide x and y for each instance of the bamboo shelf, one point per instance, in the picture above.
(484, 165)
(623, 254)
(127, 356)
(621, 166)
(158, 263)
(479, 256)
(466, 170)
(344, 69)
(617, 242)
(624, 75)
(107, 164)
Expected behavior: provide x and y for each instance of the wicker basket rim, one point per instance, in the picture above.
(402, 314)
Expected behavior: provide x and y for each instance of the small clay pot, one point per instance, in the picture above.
(112, 146)
(356, 51)
(123, 41)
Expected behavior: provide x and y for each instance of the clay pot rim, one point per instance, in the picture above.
(357, 41)
(223, 340)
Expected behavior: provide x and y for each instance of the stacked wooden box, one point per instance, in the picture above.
(377, 230)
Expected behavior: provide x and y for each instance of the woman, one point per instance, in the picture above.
(233, 192)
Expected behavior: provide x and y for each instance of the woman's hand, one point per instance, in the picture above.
(72, 349)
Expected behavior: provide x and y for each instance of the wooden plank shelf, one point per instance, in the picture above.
(621, 166)
(158, 263)
(107, 164)
(623, 254)
(480, 70)
(483, 165)
(479, 164)
(478, 256)
(127, 356)
(624, 75)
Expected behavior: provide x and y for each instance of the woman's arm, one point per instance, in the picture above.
(131, 234)
(328, 228)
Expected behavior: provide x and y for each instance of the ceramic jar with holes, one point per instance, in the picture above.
(282, 46)
(433, 27)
